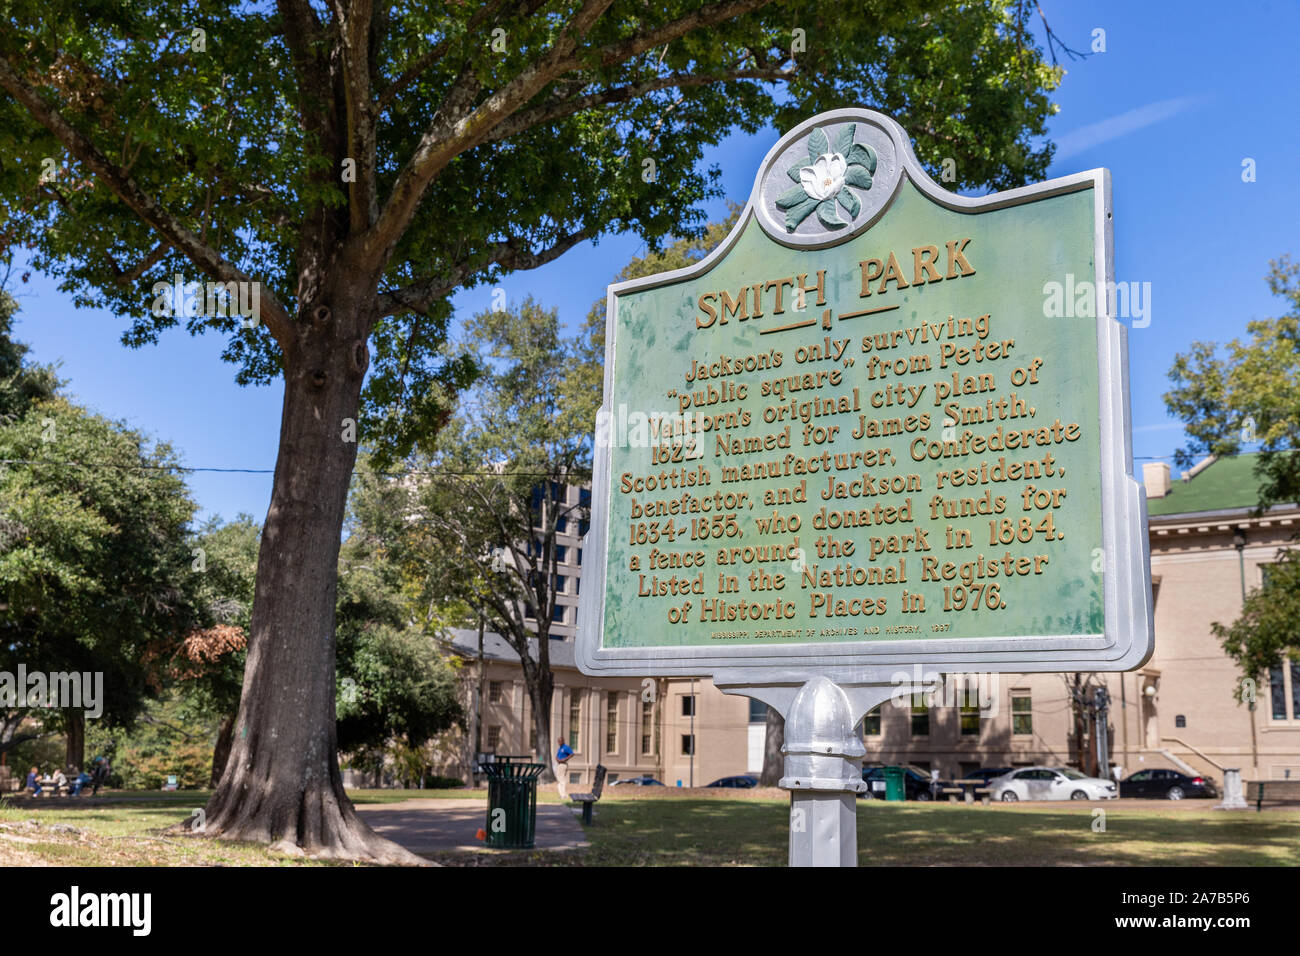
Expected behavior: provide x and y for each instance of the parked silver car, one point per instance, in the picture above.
(1050, 783)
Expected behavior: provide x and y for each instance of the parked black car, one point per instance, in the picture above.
(644, 781)
(741, 782)
(916, 785)
(1165, 785)
(984, 775)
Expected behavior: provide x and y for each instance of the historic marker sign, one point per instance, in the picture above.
(859, 435)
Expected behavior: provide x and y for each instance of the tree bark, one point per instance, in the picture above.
(540, 683)
(281, 784)
(75, 752)
(774, 740)
(221, 752)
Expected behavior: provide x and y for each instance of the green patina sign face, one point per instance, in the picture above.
(872, 418)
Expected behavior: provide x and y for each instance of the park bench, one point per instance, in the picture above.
(1274, 791)
(968, 790)
(587, 799)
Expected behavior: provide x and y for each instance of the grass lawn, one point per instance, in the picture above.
(721, 832)
(672, 830)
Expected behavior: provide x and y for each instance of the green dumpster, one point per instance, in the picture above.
(512, 802)
(894, 789)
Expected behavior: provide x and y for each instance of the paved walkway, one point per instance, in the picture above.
(442, 825)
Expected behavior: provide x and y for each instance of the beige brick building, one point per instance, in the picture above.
(1177, 711)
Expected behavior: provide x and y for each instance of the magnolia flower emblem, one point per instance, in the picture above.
(824, 183)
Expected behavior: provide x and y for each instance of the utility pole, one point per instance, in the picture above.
(1101, 701)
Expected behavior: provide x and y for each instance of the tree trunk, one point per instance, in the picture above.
(541, 693)
(221, 752)
(774, 740)
(75, 753)
(281, 783)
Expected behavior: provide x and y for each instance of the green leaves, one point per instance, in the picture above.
(857, 176)
(861, 155)
(818, 144)
(791, 197)
(844, 138)
(827, 214)
(1217, 390)
(849, 201)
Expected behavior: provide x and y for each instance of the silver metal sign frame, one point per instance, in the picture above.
(1129, 627)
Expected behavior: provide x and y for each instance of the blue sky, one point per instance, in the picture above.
(1181, 96)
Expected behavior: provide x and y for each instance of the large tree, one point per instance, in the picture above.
(363, 161)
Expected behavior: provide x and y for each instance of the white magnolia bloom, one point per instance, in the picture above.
(825, 178)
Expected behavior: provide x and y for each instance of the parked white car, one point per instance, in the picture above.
(1050, 783)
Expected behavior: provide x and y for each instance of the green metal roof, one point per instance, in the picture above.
(1226, 484)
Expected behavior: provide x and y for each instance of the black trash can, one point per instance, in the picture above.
(512, 802)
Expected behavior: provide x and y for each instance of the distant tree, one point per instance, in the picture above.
(1266, 634)
(22, 383)
(490, 503)
(1250, 395)
(395, 686)
(208, 663)
(93, 554)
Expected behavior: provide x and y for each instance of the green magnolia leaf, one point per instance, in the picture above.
(793, 172)
(818, 144)
(827, 214)
(857, 176)
(799, 213)
(791, 197)
(862, 155)
(849, 202)
(844, 138)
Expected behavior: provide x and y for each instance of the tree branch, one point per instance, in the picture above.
(557, 109)
(277, 319)
(510, 255)
(459, 125)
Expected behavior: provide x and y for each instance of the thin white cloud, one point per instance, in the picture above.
(1158, 428)
(1094, 134)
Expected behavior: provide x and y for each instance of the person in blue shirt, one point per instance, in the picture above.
(34, 781)
(562, 756)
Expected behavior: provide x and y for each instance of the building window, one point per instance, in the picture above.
(970, 720)
(580, 555)
(575, 777)
(557, 614)
(561, 524)
(1180, 720)
(920, 720)
(561, 583)
(647, 727)
(688, 705)
(611, 722)
(575, 717)
(688, 745)
(561, 554)
(757, 711)
(494, 737)
(494, 692)
(1278, 678)
(1022, 718)
(871, 723)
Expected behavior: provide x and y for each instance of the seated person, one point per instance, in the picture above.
(34, 781)
(60, 781)
(83, 778)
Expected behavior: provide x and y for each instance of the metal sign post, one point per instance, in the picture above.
(881, 432)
